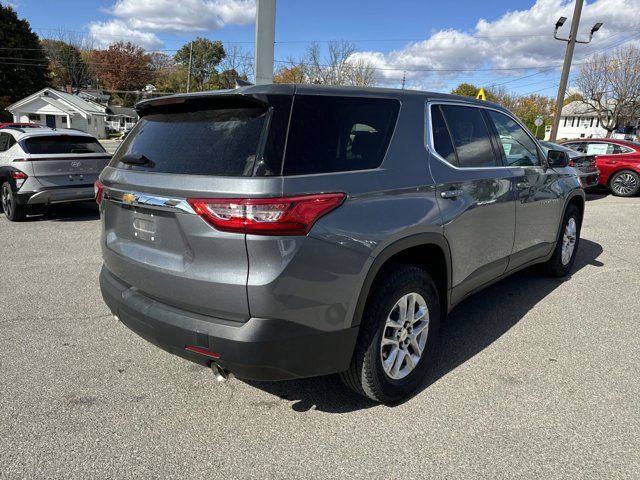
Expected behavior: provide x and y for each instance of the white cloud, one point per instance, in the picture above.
(518, 39)
(115, 31)
(142, 19)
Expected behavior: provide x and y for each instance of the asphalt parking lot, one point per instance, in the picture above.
(537, 378)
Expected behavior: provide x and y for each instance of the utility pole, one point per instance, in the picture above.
(265, 41)
(404, 77)
(568, 56)
(189, 71)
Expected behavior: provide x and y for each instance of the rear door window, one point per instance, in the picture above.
(470, 137)
(518, 147)
(59, 144)
(337, 134)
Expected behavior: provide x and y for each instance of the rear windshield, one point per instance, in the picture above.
(62, 144)
(223, 141)
(337, 134)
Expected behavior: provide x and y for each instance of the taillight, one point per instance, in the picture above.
(98, 190)
(19, 178)
(571, 163)
(266, 216)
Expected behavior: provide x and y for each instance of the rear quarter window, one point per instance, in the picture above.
(338, 134)
(60, 144)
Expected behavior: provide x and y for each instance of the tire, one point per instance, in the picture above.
(560, 266)
(625, 183)
(11, 209)
(367, 375)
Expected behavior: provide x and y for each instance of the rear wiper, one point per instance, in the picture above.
(136, 159)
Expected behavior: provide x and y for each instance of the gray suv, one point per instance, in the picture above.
(285, 231)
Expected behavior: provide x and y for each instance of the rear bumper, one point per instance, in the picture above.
(57, 195)
(259, 349)
(589, 180)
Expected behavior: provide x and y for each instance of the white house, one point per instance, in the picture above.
(121, 118)
(578, 120)
(55, 109)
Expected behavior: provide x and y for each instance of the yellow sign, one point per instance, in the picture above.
(481, 95)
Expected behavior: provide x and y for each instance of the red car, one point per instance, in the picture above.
(617, 160)
(19, 125)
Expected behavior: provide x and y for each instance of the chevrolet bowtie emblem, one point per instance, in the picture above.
(128, 198)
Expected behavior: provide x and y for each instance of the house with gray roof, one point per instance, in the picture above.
(121, 118)
(579, 120)
(56, 109)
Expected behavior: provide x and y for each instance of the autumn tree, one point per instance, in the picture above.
(24, 70)
(292, 74)
(610, 86)
(69, 70)
(123, 66)
(205, 56)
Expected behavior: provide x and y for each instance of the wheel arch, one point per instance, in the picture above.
(429, 251)
(579, 201)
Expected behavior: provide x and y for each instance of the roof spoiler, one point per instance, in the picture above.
(201, 100)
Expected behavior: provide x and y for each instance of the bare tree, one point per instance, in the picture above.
(610, 86)
(67, 54)
(238, 60)
(162, 65)
(338, 67)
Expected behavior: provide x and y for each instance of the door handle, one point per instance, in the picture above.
(451, 193)
(522, 185)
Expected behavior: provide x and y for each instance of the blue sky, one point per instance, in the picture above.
(435, 44)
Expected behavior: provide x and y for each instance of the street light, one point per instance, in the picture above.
(566, 67)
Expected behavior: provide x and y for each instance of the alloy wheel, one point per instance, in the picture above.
(7, 200)
(404, 336)
(569, 241)
(624, 184)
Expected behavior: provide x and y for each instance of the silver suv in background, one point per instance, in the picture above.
(287, 231)
(42, 166)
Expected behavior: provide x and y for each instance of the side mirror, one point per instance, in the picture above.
(557, 158)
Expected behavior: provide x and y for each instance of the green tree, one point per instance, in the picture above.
(205, 55)
(175, 80)
(24, 71)
(466, 90)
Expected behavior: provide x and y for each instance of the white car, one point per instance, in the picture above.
(45, 166)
